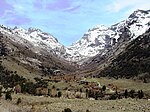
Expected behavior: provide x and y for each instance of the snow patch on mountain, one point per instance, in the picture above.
(95, 41)
(99, 39)
(34, 39)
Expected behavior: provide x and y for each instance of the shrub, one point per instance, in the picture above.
(96, 95)
(144, 80)
(87, 93)
(0, 91)
(104, 88)
(59, 94)
(126, 93)
(8, 95)
(18, 101)
(80, 90)
(113, 97)
(67, 110)
(140, 94)
(132, 93)
(53, 87)
(87, 110)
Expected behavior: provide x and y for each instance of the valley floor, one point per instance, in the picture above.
(47, 104)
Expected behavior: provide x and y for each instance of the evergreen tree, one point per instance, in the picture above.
(67, 110)
(3, 49)
(59, 94)
(87, 110)
(80, 90)
(132, 93)
(8, 95)
(104, 88)
(18, 101)
(87, 93)
(144, 80)
(113, 97)
(0, 91)
(126, 93)
(140, 94)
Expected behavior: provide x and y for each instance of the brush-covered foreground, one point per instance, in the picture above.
(47, 104)
(31, 103)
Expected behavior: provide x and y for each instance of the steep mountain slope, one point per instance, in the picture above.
(26, 57)
(133, 61)
(100, 39)
(38, 40)
(93, 42)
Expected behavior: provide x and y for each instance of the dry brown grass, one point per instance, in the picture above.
(47, 104)
(124, 83)
(12, 65)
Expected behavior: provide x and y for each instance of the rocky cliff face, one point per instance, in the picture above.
(35, 39)
(133, 61)
(100, 39)
(34, 50)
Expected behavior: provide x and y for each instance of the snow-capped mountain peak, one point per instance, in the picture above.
(138, 13)
(101, 38)
(97, 40)
(92, 41)
(35, 39)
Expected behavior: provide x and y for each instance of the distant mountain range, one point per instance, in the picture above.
(98, 48)
(100, 39)
(96, 41)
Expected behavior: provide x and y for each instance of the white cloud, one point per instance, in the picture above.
(118, 5)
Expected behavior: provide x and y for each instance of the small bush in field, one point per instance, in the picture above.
(18, 101)
(87, 110)
(113, 97)
(59, 94)
(8, 95)
(140, 94)
(0, 91)
(126, 93)
(104, 88)
(67, 110)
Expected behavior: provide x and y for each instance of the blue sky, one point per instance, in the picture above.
(67, 20)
